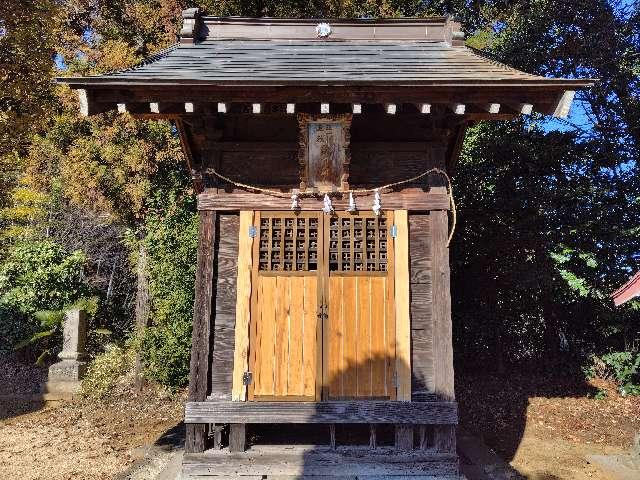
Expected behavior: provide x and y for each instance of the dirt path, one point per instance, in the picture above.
(81, 440)
(546, 428)
(552, 459)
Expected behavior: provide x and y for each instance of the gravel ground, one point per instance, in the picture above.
(545, 430)
(84, 439)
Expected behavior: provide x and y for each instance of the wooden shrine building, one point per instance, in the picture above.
(319, 150)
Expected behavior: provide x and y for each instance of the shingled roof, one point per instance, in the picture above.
(404, 61)
(405, 51)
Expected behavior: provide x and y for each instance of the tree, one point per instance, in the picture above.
(548, 219)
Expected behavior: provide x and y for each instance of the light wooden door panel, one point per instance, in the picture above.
(285, 337)
(285, 346)
(361, 342)
(323, 307)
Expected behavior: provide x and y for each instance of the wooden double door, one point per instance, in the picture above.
(322, 324)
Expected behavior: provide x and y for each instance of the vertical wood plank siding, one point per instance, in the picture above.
(361, 341)
(243, 306)
(421, 318)
(442, 342)
(199, 369)
(225, 295)
(402, 306)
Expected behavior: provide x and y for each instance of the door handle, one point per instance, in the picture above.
(322, 313)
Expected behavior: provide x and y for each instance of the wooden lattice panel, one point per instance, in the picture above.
(358, 243)
(288, 242)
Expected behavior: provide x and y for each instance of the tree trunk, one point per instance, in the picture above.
(143, 303)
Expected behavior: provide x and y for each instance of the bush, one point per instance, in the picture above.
(166, 351)
(37, 275)
(106, 370)
(622, 368)
(171, 242)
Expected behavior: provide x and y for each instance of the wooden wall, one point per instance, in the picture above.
(262, 150)
(225, 276)
(422, 384)
(225, 303)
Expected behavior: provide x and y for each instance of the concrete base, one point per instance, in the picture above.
(617, 467)
(61, 390)
(280, 462)
(67, 371)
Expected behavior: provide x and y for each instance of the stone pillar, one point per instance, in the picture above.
(65, 376)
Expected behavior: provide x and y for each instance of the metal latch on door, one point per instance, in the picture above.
(322, 313)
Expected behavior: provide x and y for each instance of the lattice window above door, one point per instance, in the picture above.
(288, 242)
(358, 243)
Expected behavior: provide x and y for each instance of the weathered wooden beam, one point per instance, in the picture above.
(83, 101)
(563, 106)
(424, 108)
(196, 434)
(90, 107)
(389, 412)
(442, 329)
(243, 307)
(231, 146)
(404, 437)
(402, 306)
(492, 108)
(322, 462)
(137, 108)
(166, 108)
(441, 307)
(237, 437)
(433, 94)
(458, 108)
(408, 199)
(324, 108)
(524, 108)
(356, 108)
(444, 438)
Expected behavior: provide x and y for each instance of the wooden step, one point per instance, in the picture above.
(347, 463)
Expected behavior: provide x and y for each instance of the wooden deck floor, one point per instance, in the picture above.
(289, 462)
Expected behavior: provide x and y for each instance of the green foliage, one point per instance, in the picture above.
(25, 55)
(36, 276)
(171, 243)
(106, 369)
(623, 368)
(548, 219)
(41, 276)
(25, 215)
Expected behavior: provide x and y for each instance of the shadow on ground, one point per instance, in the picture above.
(494, 408)
(20, 383)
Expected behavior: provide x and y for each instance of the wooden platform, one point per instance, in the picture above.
(289, 462)
(415, 413)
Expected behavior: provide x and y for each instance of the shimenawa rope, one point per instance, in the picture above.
(358, 191)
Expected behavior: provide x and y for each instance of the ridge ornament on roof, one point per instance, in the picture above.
(323, 30)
